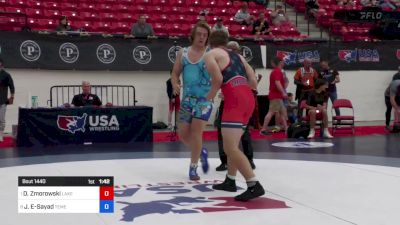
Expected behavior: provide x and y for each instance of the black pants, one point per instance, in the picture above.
(246, 139)
(388, 113)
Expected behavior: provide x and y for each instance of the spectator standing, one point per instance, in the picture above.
(388, 113)
(304, 80)
(395, 100)
(6, 82)
(332, 77)
(276, 95)
(141, 29)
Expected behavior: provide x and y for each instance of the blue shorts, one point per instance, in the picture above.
(195, 107)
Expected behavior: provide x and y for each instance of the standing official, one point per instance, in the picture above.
(6, 82)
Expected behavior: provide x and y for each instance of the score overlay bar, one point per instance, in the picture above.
(65, 194)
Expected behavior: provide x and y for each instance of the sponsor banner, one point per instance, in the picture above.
(293, 56)
(342, 56)
(85, 124)
(365, 56)
(30, 50)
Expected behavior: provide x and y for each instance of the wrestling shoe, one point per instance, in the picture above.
(252, 192)
(193, 173)
(227, 185)
(204, 160)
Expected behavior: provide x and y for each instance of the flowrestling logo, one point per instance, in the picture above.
(140, 201)
(96, 123)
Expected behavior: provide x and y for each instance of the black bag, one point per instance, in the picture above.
(159, 125)
(298, 130)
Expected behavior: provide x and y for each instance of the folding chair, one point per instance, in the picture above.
(343, 120)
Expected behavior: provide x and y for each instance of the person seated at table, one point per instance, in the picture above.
(86, 98)
(63, 24)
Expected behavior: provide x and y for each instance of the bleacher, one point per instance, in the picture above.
(168, 17)
(325, 19)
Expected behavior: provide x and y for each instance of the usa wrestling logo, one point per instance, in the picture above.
(347, 55)
(72, 124)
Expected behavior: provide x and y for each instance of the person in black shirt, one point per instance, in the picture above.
(317, 107)
(6, 82)
(63, 24)
(86, 98)
(332, 77)
(261, 26)
(388, 113)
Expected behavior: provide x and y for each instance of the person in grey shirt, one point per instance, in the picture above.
(142, 29)
(219, 26)
(5, 82)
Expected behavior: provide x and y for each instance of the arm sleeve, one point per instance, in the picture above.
(11, 85)
(97, 101)
(75, 100)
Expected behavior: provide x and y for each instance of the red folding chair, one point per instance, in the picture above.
(346, 121)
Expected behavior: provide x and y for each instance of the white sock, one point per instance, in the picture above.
(231, 177)
(251, 182)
